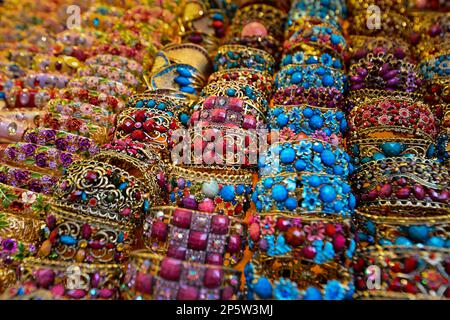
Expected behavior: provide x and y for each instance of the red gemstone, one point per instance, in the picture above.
(187, 293)
(219, 224)
(339, 242)
(138, 135)
(86, 231)
(140, 116)
(219, 115)
(249, 122)
(214, 258)
(159, 230)
(419, 192)
(409, 265)
(127, 126)
(176, 252)
(182, 218)
(213, 278)
(234, 243)
(144, 283)
(403, 193)
(309, 252)
(170, 269)
(330, 229)
(444, 196)
(91, 176)
(235, 104)
(209, 102)
(198, 240)
(372, 195)
(149, 125)
(295, 236)
(283, 224)
(386, 191)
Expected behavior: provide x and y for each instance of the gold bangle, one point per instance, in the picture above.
(23, 228)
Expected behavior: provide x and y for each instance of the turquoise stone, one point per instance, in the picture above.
(418, 233)
(296, 77)
(68, 240)
(378, 156)
(328, 158)
(291, 203)
(183, 71)
(287, 155)
(327, 194)
(392, 149)
(182, 81)
(263, 288)
(316, 122)
(402, 241)
(279, 193)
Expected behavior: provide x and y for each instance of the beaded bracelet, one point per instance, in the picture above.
(363, 96)
(23, 227)
(118, 50)
(404, 186)
(225, 192)
(79, 110)
(395, 116)
(267, 43)
(401, 232)
(306, 54)
(101, 190)
(309, 155)
(77, 38)
(13, 251)
(27, 179)
(322, 240)
(45, 80)
(96, 281)
(116, 61)
(404, 273)
(310, 76)
(99, 99)
(435, 67)
(90, 240)
(397, 6)
(437, 92)
(74, 126)
(23, 202)
(195, 236)
(47, 63)
(154, 277)
(28, 155)
(112, 73)
(182, 77)
(301, 10)
(237, 56)
(103, 85)
(284, 279)
(17, 97)
(61, 140)
(323, 123)
(304, 195)
(316, 97)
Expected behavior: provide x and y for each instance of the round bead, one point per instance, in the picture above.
(328, 158)
(210, 189)
(327, 81)
(227, 193)
(287, 155)
(291, 203)
(279, 193)
(316, 122)
(327, 194)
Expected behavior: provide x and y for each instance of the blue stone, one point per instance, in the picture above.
(320, 71)
(339, 206)
(161, 106)
(123, 185)
(316, 122)
(312, 293)
(418, 233)
(338, 170)
(392, 149)
(187, 90)
(183, 71)
(182, 81)
(308, 112)
(378, 156)
(146, 205)
(351, 201)
(328, 158)
(184, 118)
(300, 165)
(282, 120)
(431, 151)
(121, 237)
(335, 39)
(151, 103)
(327, 80)
(343, 125)
(67, 240)
(291, 203)
(287, 155)
(263, 288)
(436, 242)
(327, 194)
(365, 160)
(227, 193)
(296, 77)
(385, 242)
(139, 104)
(403, 241)
(268, 183)
(231, 92)
(317, 147)
(96, 22)
(240, 189)
(315, 181)
(279, 193)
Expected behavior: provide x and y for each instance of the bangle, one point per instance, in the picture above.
(29, 155)
(280, 4)
(317, 97)
(182, 77)
(310, 76)
(284, 278)
(405, 273)
(305, 156)
(101, 190)
(80, 110)
(225, 192)
(116, 61)
(303, 11)
(368, 149)
(435, 67)
(151, 276)
(362, 96)
(8, 278)
(45, 80)
(405, 185)
(397, 6)
(66, 237)
(96, 281)
(26, 179)
(23, 202)
(238, 56)
(78, 38)
(17, 97)
(437, 91)
(267, 43)
(396, 116)
(103, 85)
(112, 73)
(402, 232)
(118, 49)
(24, 227)
(304, 194)
(323, 123)
(321, 240)
(232, 148)
(47, 63)
(311, 55)
(99, 99)
(74, 126)
(195, 236)
(226, 111)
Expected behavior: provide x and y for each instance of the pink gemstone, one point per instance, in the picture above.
(95, 280)
(189, 203)
(209, 102)
(403, 193)
(195, 116)
(219, 224)
(227, 293)
(182, 218)
(76, 294)
(339, 242)
(207, 205)
(159, 230)
(235, 104)
(45, 277)
(106, 293)
(176, 252)
(419, 192)
(198, 240)
(144, 283)
(309, 252)
(170, 269)
(187, 293)
(86, 231)
(444, 196)
(58, 290)
(214, 258)
(234, 243)
(254, 231)
(372, 195)
(249, 122)
(213, 278)
(386, 190)
(219, 115)
(254, 29)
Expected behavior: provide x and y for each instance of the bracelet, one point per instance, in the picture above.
(406, 186)
(29, 156)
(310, 76)
(26, 179)
(182, 77)
(267, 43)
(366, 150)
(101, 190)
(401, 232)
(302, 11)
(48, 63)
(308, 155)
(405, 273)
(284, 278)
(435, 67)
(118, 49)
(317, 97)
(99, 99)
(13, 251)
(195, 236)
(103, 85)
(362, 96)
(397, 6)
(79, 110)
(23, 227)
(238, 56)
(97, 281)
(322, 123)
(23, 202)
(154, 277)
(77, 38)
(225, 192)
(90, 240)
(112, 73)
(321, 240)
(304, 194)
(437, 91)
(311, 55)
(116, 61)
(17, 97)
(45, 80)
(395, 116)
